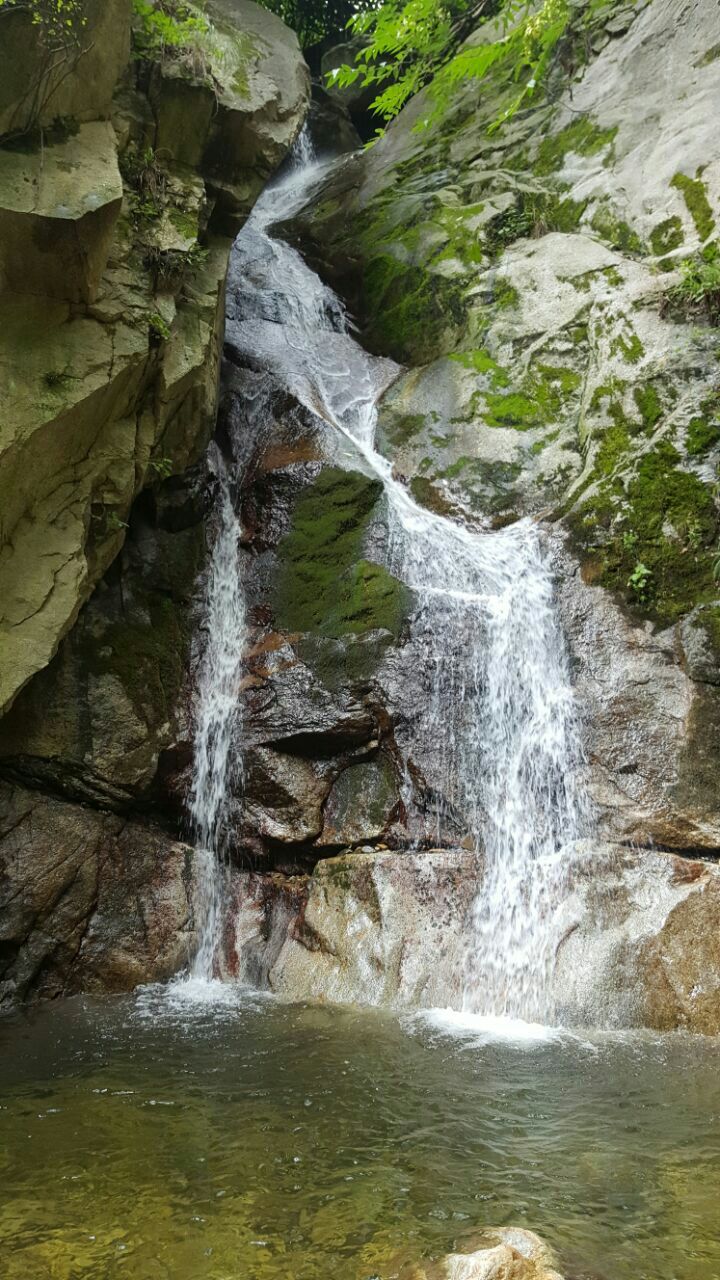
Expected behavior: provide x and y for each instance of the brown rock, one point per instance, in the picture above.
(88, 902)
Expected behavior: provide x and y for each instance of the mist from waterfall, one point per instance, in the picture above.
(501, 710)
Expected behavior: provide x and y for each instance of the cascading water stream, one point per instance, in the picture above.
(217, 760)
(501, 710)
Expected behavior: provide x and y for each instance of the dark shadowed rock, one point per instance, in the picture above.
(88, 902)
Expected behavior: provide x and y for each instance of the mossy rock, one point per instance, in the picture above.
(658, 516)
(325, 585)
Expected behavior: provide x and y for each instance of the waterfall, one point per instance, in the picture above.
(217, 760)
(501, 707)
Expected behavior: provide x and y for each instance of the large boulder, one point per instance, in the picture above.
(369, 927)
(36, 90)
(83, 433)
(58, 208)
(103, 400)
(88, 902)
(234, 118)
(642, 945)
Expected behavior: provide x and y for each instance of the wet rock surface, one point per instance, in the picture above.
(368, 927)
(638, 946)
(112, 278)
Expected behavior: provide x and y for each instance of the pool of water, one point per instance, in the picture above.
(157, 1137)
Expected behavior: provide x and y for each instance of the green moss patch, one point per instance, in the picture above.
(615, 232)
(148, 659)
(324, 583)
(666, 236)
(695, 196)
(703, 432)
(652, 529)
(583, 137)
(538, 401)
(412, 314)
(480, 361)
(534, 214)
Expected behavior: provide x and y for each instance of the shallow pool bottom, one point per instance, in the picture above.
(164, 1136)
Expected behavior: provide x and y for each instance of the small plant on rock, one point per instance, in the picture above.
(113, 523)
(699, 288)
(639, 581)
(159, 328)
(59, 30)
(163, 467)
(170, 267)
(171, 30)
(143, 172)
(56, 378)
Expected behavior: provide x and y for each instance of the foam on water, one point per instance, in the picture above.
(484, 1027)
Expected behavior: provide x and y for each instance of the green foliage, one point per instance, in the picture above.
(60, 21)
(699, 286)
(411, 43)
(639, 580)
(172, 30)
(313, 19)
(59, 27)
(159, 328)
(113, 523)
(163, 467)
(148, 182)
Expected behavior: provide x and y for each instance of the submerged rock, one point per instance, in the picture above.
(502, 1253)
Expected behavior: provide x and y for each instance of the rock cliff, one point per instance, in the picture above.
(530, 282)
(552, 364)
(530, 277)
(123, 181)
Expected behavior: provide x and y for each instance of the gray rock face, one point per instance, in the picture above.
(524, 277)
(648, 718)
(642, 947)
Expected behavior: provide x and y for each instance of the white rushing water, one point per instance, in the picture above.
(501, 711)
(217, 759)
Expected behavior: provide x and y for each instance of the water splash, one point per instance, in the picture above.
(500, 708)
